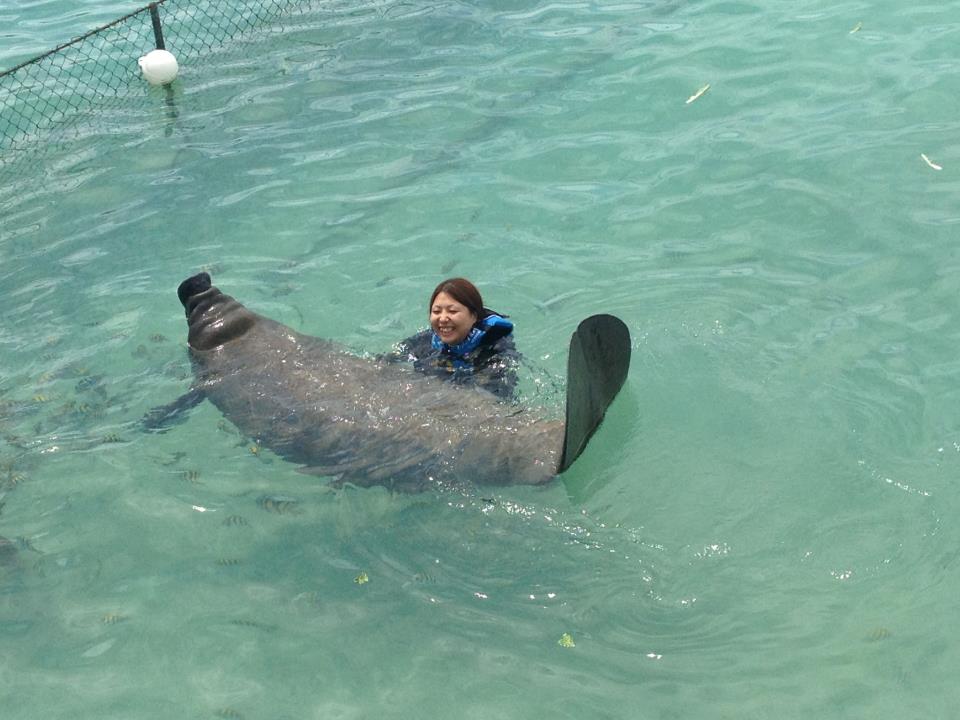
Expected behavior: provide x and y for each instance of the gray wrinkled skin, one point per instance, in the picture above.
(363, 421)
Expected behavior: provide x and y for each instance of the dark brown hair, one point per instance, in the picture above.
(463, 291)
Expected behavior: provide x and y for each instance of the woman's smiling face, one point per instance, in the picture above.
(450, 320)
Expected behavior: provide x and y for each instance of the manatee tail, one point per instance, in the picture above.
(596, 369)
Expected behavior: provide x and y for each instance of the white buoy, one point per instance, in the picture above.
(159, 67)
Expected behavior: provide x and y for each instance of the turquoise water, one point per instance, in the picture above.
(33, 27)
(764, 526)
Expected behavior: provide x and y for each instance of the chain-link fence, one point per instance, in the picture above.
(85, 75)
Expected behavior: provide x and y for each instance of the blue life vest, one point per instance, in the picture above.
(485, 332)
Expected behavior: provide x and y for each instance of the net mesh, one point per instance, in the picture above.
(99, 69)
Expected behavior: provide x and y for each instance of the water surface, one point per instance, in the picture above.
(764, 525)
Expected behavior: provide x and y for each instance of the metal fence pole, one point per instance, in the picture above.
(157, 28)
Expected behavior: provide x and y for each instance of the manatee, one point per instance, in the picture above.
(366, 421)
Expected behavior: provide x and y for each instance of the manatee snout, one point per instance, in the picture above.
(193, 286)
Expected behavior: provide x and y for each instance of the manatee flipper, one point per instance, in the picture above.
(596, 369)
(162, 418)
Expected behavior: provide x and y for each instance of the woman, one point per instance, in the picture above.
(466, 342)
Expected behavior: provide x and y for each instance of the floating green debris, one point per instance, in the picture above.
(698, 94)
(566, 640)
(930, 162)
(362, 579)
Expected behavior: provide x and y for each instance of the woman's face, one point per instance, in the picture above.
(450, 320)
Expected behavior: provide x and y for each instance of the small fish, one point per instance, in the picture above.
(566, 641)
(235, 521)
(698, 93)
(229, 562)
(18, 441)
(93, 412)
(112, 438)
(13, 479)
(158, 338)
(87, 383)
(279, 504)
(112, 618)
(39, 398)
(228, 714)
(24, 543)
(175, 457)
(141, 351)
(243, 622)
(190, 476)
(362, 579)
(448, 266)
(878, 634)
